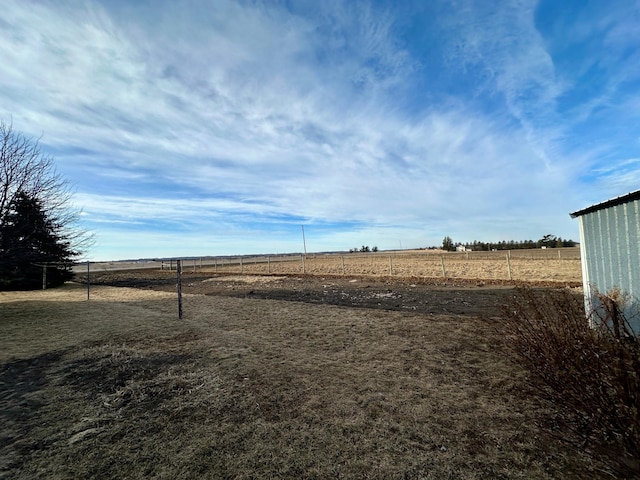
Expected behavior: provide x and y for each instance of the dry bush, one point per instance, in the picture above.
(593, 373)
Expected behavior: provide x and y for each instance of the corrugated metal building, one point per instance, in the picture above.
(610, 249)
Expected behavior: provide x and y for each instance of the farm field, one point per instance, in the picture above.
(278, 376)
(531, 266)
(554, 265)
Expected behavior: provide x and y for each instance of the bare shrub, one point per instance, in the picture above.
(593, 374)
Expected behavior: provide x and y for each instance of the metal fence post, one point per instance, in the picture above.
(178, 269)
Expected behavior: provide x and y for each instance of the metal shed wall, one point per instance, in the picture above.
(610, 251)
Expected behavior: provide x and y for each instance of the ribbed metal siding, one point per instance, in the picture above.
(610, 246)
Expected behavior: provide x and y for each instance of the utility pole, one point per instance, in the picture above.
(304, 242)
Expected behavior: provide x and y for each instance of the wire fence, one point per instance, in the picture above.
(553, 265)
(557, 265)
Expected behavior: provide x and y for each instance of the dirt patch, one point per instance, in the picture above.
(431, 296)
(251, 279)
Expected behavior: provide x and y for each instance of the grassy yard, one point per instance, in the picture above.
(117, 387)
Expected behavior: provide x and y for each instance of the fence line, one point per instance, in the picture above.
(461, 266)
(551, 264)
(503, 266)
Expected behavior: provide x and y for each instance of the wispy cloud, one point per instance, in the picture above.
(465, 119)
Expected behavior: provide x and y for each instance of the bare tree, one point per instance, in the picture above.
(25, 169)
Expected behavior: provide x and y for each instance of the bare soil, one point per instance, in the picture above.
(272, 377)
(411, 294)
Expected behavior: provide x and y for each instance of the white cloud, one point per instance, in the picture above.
(504, 43)
(242, 112)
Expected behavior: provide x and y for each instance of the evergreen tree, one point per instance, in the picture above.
(28, 240)
(447, 244)
(548, 241)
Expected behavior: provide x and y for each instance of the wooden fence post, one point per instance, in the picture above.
(88, 281)
(268, 264)
(390, 266)
(304, 270)
(241, 266)
(44, 277)
(509, 265)
(342, 260)
(444, 272)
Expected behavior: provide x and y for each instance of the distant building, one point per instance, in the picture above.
(461, 248)
(610, 250)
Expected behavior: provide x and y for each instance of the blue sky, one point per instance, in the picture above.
(220, 127)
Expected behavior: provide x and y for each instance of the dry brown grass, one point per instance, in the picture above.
(242, 388)
(525, 265)
(37, 322)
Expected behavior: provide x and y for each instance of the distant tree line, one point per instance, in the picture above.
(363, 249)
(548, 241)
